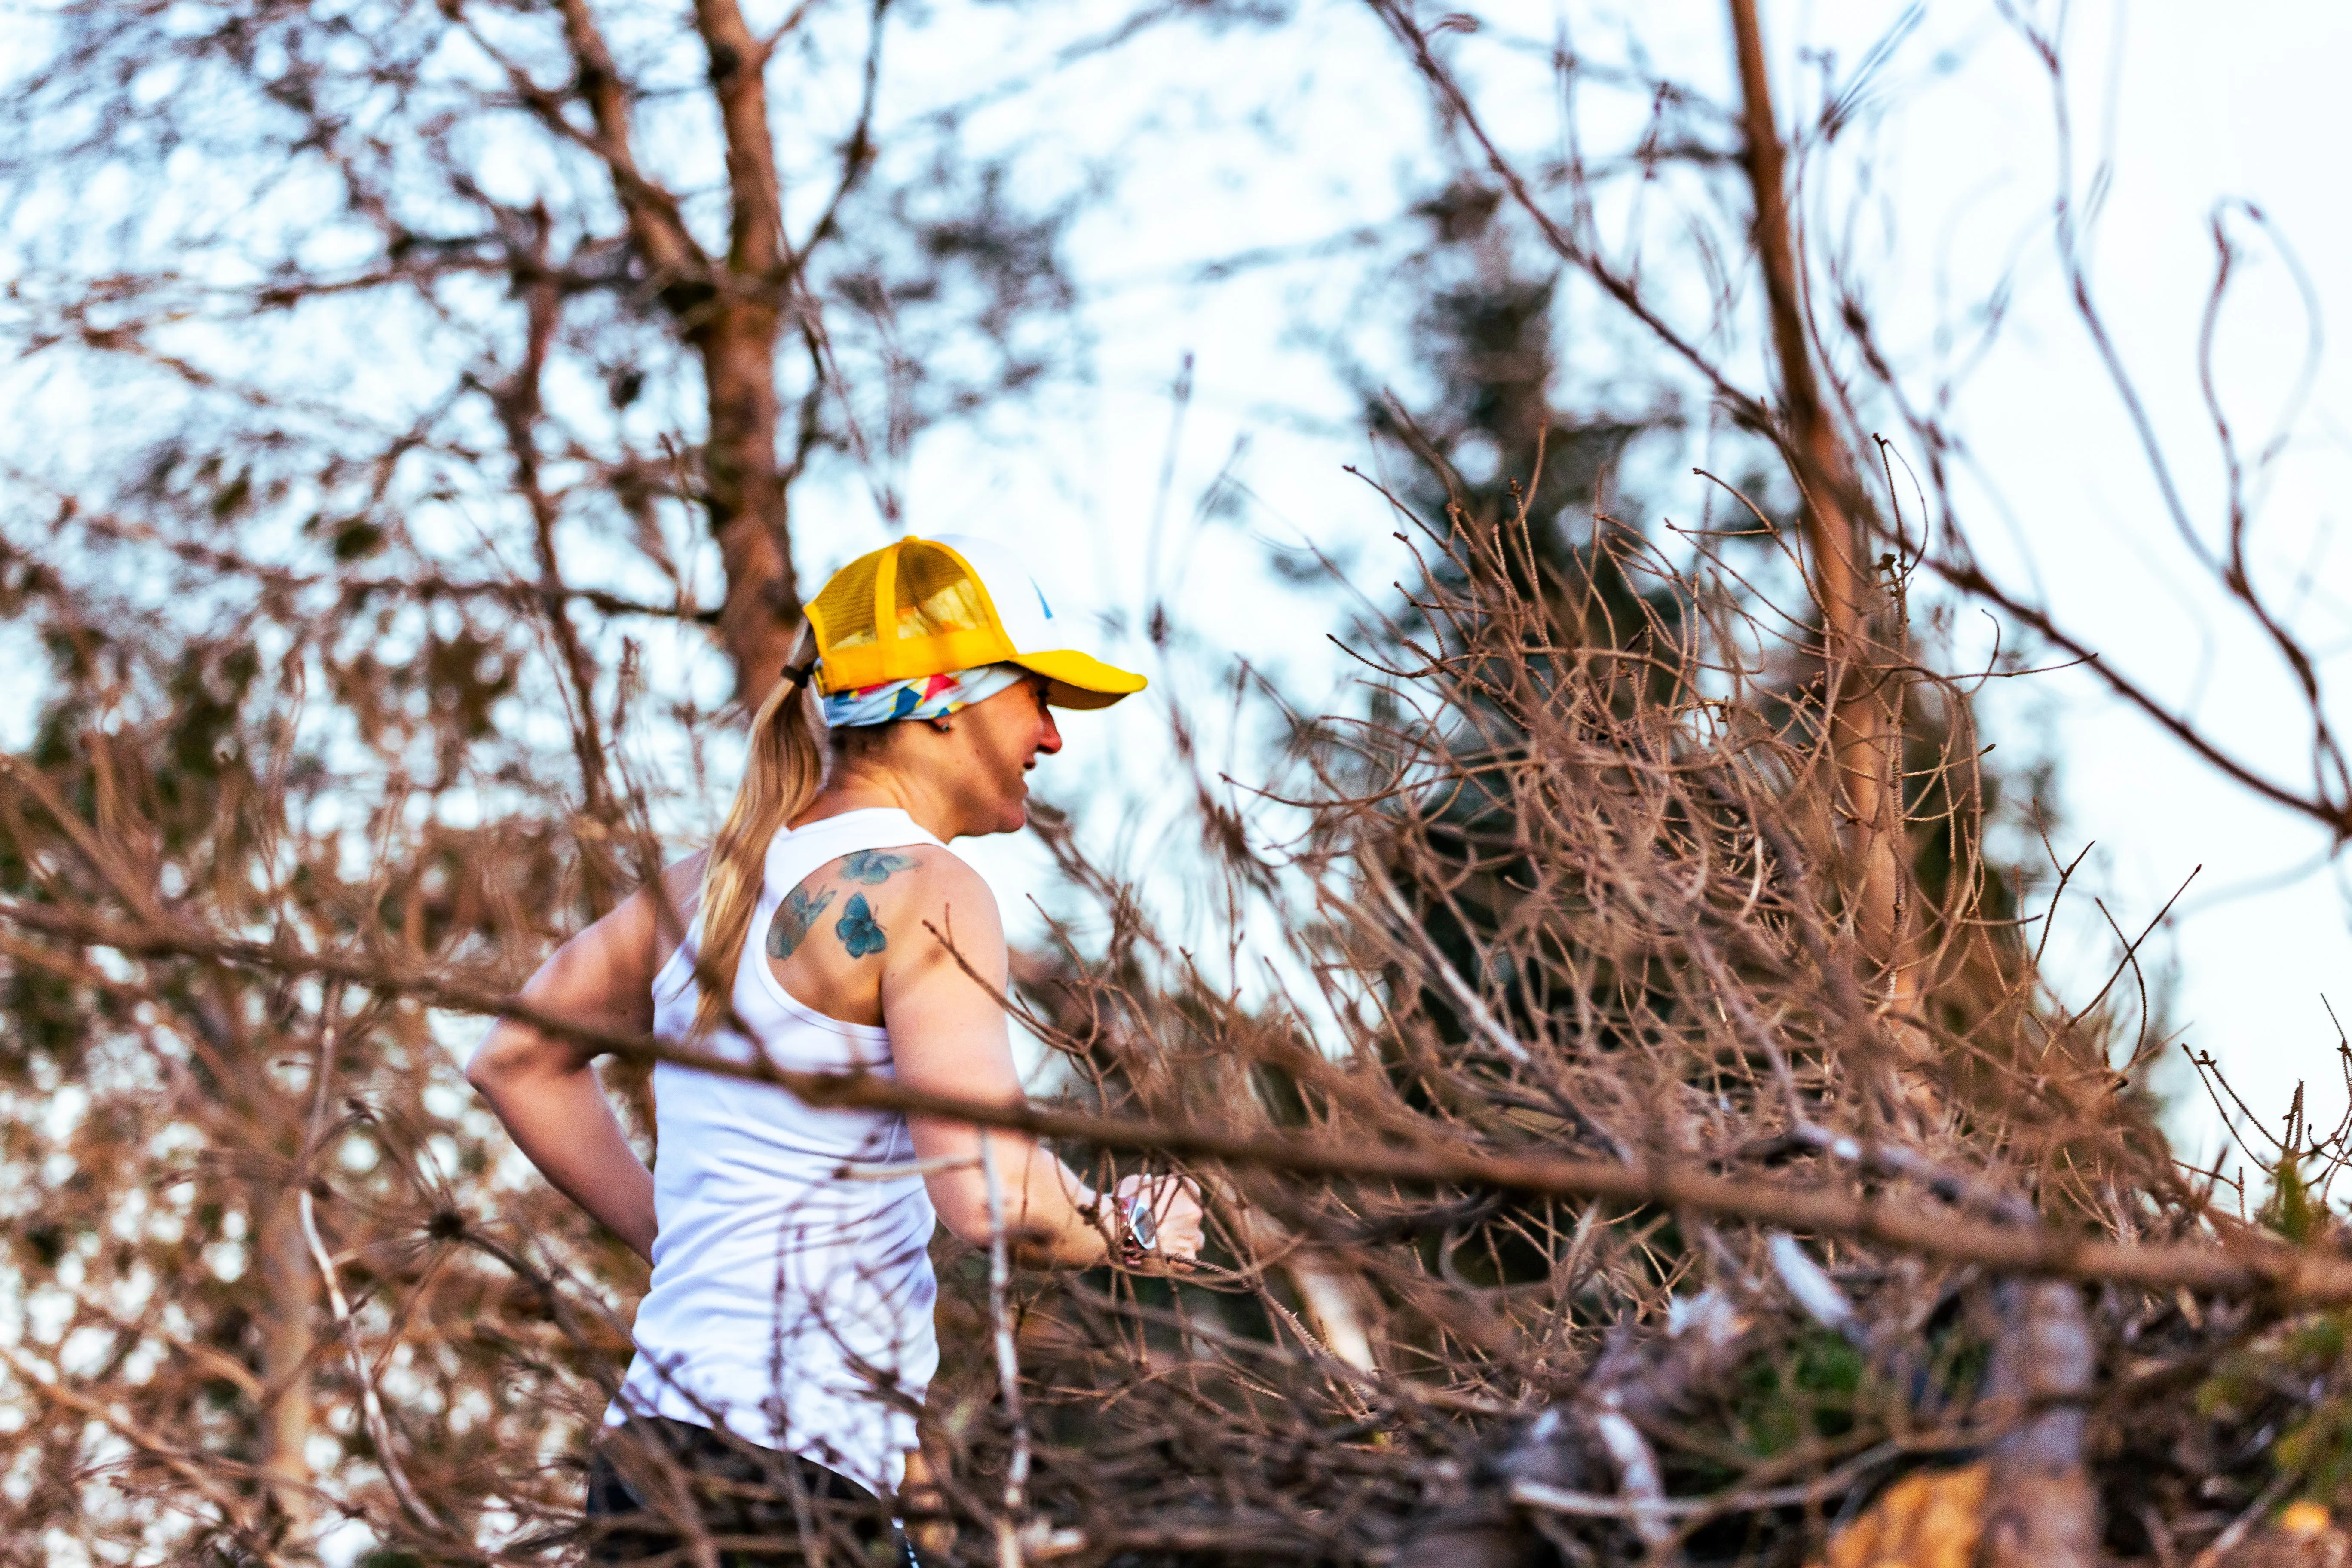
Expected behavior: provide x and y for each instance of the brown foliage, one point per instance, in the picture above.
(1626, 1134)
(1564, 1039)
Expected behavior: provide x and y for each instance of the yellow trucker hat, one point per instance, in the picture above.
(927, 606)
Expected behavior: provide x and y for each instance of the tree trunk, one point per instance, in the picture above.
(2040, 1509)
(1333, 1311)
(1864, 688)
(730, 310)
(288, 1332)
(745, 491)
(740, 471)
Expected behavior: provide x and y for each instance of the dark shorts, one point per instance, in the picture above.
(761, 1507)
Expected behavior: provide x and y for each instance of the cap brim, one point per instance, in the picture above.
(1080, 680)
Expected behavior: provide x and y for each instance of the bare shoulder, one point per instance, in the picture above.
(956, 906)
(924, 868)
(680, 889)
(665, 906)
(891, 905)
(923, 886)
(942, 919)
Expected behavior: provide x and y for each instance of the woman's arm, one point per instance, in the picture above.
(544, 1087)
(948, 1037)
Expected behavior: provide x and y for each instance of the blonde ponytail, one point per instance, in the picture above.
(780, 777)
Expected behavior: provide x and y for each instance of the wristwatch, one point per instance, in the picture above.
(1142, 1228)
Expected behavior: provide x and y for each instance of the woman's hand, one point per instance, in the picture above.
(1173, 1203)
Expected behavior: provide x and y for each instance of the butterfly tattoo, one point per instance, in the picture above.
(793, 918)
(872, 867)
(857, 928)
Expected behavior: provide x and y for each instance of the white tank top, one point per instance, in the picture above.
(788, 1304)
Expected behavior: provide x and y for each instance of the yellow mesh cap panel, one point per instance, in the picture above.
(937, 593)
(843, 613)
(939, 618)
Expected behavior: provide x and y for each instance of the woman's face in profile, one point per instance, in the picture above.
(1002, 737)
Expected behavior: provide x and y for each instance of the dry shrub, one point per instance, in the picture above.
(1584, 1180)
(1571, 886)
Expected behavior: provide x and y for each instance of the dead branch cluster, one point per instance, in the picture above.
(1583, 1182)
(1637, 1118)
(1571, 900)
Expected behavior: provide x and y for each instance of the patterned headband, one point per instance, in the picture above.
(919, 697)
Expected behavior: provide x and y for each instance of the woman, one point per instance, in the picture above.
(786, 1340)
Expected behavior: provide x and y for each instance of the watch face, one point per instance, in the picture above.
(1140, 1225)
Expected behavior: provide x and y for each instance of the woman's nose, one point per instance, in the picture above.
(1050, 741)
